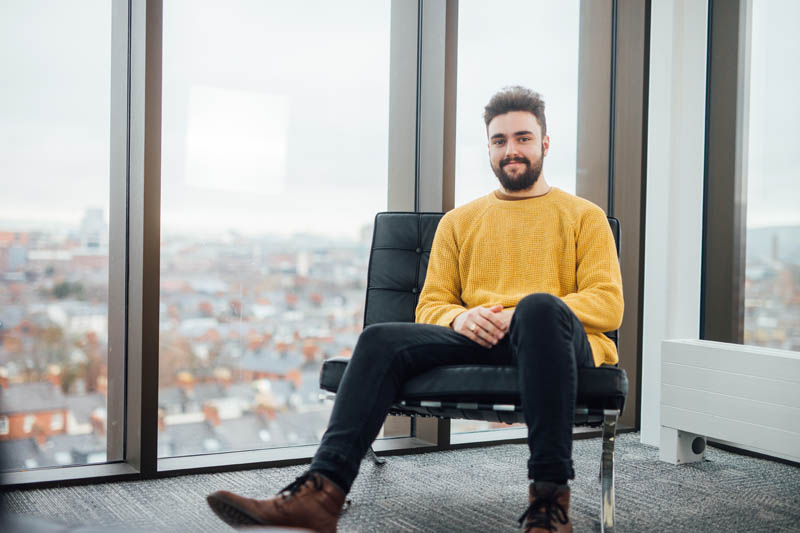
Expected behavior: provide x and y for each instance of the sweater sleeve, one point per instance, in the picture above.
(598, 303)
(440, 300)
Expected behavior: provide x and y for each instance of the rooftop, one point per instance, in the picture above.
(31, 397)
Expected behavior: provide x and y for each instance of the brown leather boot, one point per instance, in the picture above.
(311, 501)
(548, 510)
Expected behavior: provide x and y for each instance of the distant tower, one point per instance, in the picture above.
(365, 233)
(775, 249)
(303, 266)
(94, 231)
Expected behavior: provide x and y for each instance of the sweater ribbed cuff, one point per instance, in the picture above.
(447, 318)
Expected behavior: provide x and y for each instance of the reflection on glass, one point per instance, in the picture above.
(772, 273)
(274, 163)
(54, 156)
(528, 43)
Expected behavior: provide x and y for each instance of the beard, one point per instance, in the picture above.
(520, 182)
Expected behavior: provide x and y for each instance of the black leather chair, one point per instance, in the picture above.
(401, 246)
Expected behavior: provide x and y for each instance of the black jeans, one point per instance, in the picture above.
(545, 340)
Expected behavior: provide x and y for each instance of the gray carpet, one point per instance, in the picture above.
(481, 489)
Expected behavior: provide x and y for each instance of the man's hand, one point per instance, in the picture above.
(505, 315)
(484, 325)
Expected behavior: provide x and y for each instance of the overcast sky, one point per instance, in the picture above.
(275, 114)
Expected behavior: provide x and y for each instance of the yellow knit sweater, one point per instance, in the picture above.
(492, 251)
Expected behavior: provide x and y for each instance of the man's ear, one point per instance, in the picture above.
(545, 145)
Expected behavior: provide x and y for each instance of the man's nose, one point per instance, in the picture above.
(511, 148)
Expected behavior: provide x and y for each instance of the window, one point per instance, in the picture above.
(27, 424)
(274, 163)
(273, 147)
(57, 422)
(498, 46)
(3, 425)
(497, 50)
(772, 272)
(54, 149)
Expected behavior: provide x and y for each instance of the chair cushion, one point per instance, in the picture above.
(604, 387)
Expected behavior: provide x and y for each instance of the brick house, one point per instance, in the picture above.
(28, 410)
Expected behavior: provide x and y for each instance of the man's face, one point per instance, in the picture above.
(516, 149)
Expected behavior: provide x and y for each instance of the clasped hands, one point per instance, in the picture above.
(484, 325)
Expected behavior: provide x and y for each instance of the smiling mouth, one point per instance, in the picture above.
(514, 166)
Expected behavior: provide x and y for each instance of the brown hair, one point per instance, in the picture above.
(516, 98)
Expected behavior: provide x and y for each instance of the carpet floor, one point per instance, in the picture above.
(479, 489)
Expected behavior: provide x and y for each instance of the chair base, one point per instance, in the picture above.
(371, 455)
(607, 418)
(504, 413)
(607, 503)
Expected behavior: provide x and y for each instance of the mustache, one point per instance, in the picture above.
(518, 159)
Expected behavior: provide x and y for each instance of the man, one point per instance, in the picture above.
(527, 275)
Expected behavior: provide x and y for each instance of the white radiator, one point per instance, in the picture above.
(745, 396)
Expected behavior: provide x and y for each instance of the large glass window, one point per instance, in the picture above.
(54, 209)
(772, 274)
(274, 163)
(515, 42)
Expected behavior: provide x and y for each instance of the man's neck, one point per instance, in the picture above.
(540, 188)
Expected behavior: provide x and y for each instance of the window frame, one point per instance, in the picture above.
(118, 230)
(421, 168)
(725, 180)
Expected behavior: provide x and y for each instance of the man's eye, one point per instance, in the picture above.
(525, 139)
(498, 142)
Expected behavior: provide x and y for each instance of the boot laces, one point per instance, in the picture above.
(543, 512)
(289, 490)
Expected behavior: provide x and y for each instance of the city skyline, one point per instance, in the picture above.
(244, 326)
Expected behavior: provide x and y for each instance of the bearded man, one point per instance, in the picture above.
(527, 275)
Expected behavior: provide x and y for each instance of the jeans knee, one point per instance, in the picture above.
(539, 307)
(381, 340)
(371, 335)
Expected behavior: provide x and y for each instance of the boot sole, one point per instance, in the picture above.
(230, 513)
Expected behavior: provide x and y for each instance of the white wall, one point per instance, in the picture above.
(673, 233)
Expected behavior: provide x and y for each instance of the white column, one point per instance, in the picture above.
(675, 161)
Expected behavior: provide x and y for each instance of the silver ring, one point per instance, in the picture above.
(473, 327)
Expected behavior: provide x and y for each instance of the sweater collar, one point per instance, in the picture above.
(496, 200)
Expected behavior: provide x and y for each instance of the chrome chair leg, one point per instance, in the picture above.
(610, 417)
(374, 457)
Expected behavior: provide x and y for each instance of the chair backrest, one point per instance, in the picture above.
(398, 263)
